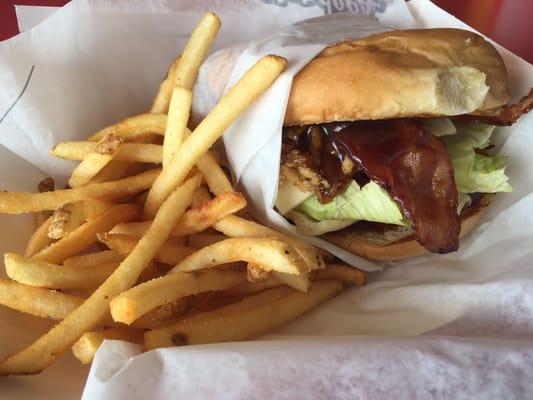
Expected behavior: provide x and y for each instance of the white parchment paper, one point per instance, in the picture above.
(96, 62)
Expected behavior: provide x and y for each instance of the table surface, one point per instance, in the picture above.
(508, 22)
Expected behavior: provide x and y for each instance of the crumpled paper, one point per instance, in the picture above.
(472, 309)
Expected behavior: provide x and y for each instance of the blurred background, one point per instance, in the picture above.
(508, 22)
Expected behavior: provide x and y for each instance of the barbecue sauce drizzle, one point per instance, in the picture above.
(412, 165)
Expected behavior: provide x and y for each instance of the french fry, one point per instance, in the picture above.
(45, 350)
(163, 315)
(199, 240)
(71, 215)
(39, 240)
(162, 98)
(168, 253)
(246, 90)
(200, 197)
(86, 234)
(87, 345)
(134, 229)
(223, 326)
(196, 219)
(248, 288)
(64, 220)
(195, 51)
(52, 276)
(22, 202)
(178, 116)
(116, 170)
(128, 152)
(299, 282)
(216, 179)
(134, 127)
(271, 254)
(137, 301)
(95, 161)
(233, 226)
(341, 272)
(255, 273)
(46, 185)
(35, 301)
(92, 259)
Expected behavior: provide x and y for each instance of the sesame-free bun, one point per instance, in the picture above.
(373, 248)
(399, 74)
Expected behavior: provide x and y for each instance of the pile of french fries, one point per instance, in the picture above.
(149, 243)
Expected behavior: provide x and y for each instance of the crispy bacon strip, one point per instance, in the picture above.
(505, 115)
(414, 167)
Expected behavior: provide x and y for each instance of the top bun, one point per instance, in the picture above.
(399, 74)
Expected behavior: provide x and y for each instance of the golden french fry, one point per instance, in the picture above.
(163, 315)
(87, 345)
(39, 240)
(35, 301)
(253, 83)
(134, 229)
(46, 185)
(86, 234)
(169, 253)
(22, 202)
(233, 226)
(95, 161)
(92, 259)
(196, 219)
(45, 350)
(299, 282)
(128, 152)
(248, 288)
(64, 220)
(71, 215)
(199, 240)
(116, 170)
(272, 254)
(216, 179)
(200, 197)
(162, 98)
(195, 51)
(341, 272)
(223, 326)
(133, 127)
(178, 117)
(255, 273)
(137, 301)
(43, 274)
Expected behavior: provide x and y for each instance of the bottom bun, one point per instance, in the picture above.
(372, 248)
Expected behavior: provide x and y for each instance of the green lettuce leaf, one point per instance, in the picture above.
(309, 226)
(476, 172)
(369, 203)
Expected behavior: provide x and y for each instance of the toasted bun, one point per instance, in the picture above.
(363, 245)
(397, 74)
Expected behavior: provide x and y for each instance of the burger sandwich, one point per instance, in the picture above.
(387, 141)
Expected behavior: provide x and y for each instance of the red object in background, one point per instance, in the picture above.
(508, 22)
(8, 17)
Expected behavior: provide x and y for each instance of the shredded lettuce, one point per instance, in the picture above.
(473, 173)
(476, 172)
(369, 203)
(309, 226)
